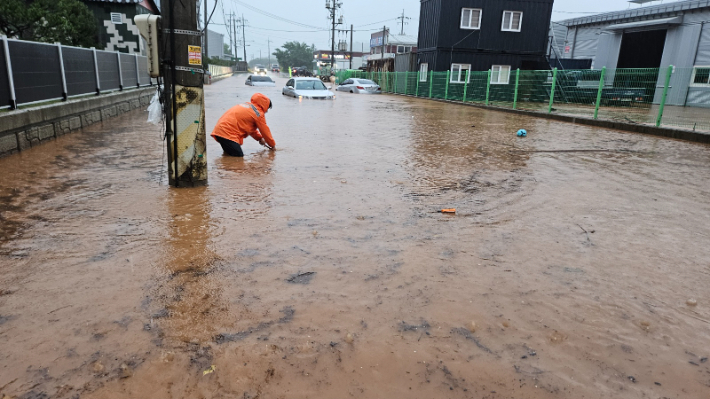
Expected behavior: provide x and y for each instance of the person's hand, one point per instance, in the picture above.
(262, 142)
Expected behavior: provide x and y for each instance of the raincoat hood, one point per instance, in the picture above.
(261, 102)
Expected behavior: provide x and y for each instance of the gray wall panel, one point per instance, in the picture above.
(108, 70)
(703, 57)
(36, 72)
(128, 70)
(79, 70)
(699, 97)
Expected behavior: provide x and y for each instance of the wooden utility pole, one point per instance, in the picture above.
(183, 91)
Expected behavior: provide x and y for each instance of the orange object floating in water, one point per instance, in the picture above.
(452, 210)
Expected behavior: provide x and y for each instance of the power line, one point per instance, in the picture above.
(274, 16)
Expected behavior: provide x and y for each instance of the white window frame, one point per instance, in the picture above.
(510, 27)
(470, 20)
(116, 16)
(494, 72)
(692, 78)
(423, 71)
(458, 78)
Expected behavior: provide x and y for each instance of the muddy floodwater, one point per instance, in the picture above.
(577, 264)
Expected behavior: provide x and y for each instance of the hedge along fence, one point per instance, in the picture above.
(628, 95)
(33, 72)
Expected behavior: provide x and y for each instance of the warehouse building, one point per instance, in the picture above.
(658, 36)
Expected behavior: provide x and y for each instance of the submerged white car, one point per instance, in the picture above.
(256, 80)
(360, 86)
(311, 88)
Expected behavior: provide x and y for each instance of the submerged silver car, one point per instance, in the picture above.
(360, 86)
(263, 81)
(307, 88)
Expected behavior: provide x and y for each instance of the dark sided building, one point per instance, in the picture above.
(479, 35)
(116, 30)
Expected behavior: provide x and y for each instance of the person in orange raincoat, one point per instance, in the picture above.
(248, 119)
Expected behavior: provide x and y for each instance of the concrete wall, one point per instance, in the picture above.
(25, 128)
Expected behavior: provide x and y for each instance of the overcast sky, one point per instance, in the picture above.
(307, 20)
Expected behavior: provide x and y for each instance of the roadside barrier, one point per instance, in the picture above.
(33, 72)
(670, 96)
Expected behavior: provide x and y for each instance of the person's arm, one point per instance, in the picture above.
(265, 132)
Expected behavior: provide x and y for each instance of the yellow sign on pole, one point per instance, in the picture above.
(195, 55)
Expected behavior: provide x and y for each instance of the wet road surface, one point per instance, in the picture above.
(577, 264)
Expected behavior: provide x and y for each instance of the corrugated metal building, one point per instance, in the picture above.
(479, 34)
(215, 44)
(657, 36)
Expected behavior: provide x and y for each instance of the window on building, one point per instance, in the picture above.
(459, 73)
(116, 18)
(701, 76)
(423, 72)
(404, 49)
(471, 18)
(500, 74)
(512, 21)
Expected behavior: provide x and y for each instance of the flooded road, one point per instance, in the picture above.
(577, 264)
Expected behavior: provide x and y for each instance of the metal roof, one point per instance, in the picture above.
(650, 11)
(650, 22)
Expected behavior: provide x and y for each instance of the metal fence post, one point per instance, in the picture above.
(419, 77)
(120, 73)
(448, 79)
(395, 82)
(406, 83)
(8, 64)
(96, 68)
(517, 84)
(488, 86)
(599, 93)
(552, 91)
(138, 74)
(465, 85)
(664, 96)
(431, 82)
(61, 70)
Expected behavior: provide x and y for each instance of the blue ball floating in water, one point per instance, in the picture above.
(522, 133)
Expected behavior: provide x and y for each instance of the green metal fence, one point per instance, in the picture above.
(659, 97)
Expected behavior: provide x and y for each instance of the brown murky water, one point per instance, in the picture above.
(323, 269)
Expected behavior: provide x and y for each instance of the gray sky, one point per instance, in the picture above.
(366, 16)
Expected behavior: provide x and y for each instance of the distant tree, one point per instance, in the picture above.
(294, 54)
(69, 22)
(227, 50)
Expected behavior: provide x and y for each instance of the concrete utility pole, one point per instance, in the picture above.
(403, 18)
(333, 11)
(207, 35)
(351, 46)
(244, 37)
(184, 96)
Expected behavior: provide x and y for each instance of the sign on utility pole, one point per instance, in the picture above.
(184, 96)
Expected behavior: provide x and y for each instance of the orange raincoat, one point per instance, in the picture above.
(244, 120)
